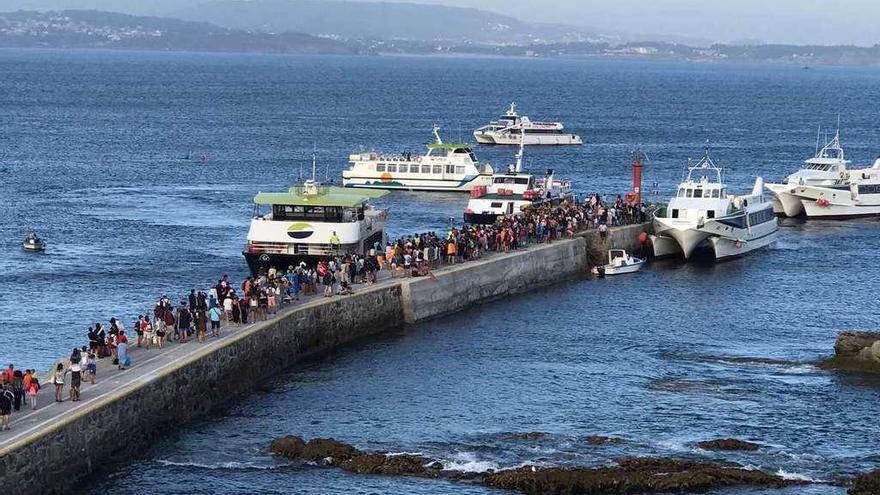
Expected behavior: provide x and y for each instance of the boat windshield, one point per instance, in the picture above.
(328, 214)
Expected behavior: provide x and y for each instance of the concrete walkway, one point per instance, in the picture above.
(147, 363)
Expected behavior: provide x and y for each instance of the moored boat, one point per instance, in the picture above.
(857, 194)
(619, 262)
(826, 168)
(512, 192)
(313, 222)
(702, 215)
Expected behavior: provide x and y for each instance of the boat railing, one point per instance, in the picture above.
(267, 247)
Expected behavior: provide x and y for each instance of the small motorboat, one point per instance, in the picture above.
(33, 244)
(619, 262)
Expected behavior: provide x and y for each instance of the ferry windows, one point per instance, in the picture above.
(403, 168)
(715, 193)
(437, 169)
(426, 169)
(710, 214)
(380, 167)
(459, 169)
(698, 193)
(681, 192)
(497, 205)
(299, 213)
(689, 192)
(392, 167)
(675, 213)
(450, 169)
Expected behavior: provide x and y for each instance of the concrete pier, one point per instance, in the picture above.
(50, 449)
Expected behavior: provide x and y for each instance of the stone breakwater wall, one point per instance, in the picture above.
(52, 458)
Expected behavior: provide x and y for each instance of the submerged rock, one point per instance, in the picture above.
(323, 448)
(632, 475)
(728, 444)
(602, 440)
(866, 484)
(531, 435)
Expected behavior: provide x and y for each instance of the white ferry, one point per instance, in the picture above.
(312, 222)
(703, 215)
(445, 167)
(512, 129)
(826, 168)
(513, 192)
(856, 194)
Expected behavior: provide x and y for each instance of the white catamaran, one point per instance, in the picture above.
(703, 215)
(826, 168)
(445, 167)
(512, 129)
(311, 222)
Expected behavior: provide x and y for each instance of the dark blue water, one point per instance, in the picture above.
(92, 150)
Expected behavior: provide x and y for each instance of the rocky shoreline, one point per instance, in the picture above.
(626, 476)
(855, 351)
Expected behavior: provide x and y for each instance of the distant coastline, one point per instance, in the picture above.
(81, 29)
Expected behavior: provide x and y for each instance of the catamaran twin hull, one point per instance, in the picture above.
(839, 203)
(722, 238)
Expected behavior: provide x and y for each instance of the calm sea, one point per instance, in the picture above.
(94, 151)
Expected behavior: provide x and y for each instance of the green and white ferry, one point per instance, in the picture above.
(312, 222)
(445, 167)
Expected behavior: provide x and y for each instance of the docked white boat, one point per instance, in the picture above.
(33, 244)
(856, 194)
(513, 192)
(825, 169)
(619, 262)
(445, 167)
(702, 215)
(511, 127)
(312, 222)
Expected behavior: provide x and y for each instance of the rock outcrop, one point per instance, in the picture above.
(866, 484)
(628, 476)
(728, 444)
(632, 475)
(855, 351)
(603, 440)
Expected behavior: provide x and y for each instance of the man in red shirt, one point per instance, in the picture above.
(8, 374)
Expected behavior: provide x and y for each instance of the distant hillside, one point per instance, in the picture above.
(376, 20)
(94, 29)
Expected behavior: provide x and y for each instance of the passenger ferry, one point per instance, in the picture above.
(445, 167)
(703, 216)
(511, 193)
(826, 168)
(856, 194)
(511, 127)
(312, 222)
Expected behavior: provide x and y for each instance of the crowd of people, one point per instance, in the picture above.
(261, 296)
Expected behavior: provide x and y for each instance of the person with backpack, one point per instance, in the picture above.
(17, 389)
(58, 381)
(6, 400)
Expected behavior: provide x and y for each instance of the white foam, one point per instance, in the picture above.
(797, 477)
(467, 462)
(221, 465)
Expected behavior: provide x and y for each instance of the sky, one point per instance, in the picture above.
(823, 22)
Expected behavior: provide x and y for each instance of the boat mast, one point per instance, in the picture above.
(818, 133)
(437, 134)
(519, 154)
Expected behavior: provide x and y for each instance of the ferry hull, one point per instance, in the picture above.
(725, 249)
(480, 218)
(530, 140)
(785, 203)
(401, 184)
(258, 261)
(838, 212)
(664, 247)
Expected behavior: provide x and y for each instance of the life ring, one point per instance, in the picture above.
(822, 202)
(264, 257)
(739, 244)
(418, 159)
